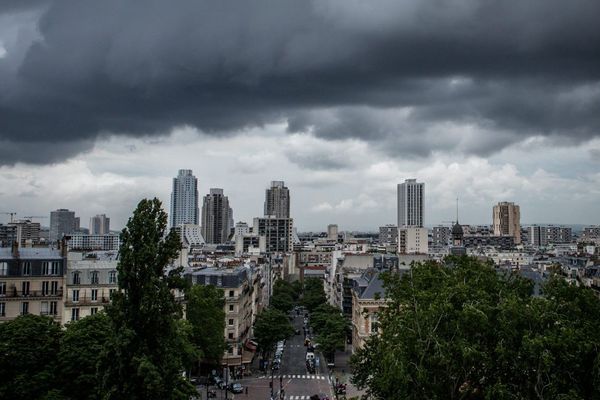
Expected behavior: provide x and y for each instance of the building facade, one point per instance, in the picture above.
(367, 301)
(84, 242)
(277, 233)
(507, 220)
(388, 234)
(90, 280)
(413, 240)
(184, 199)
(549, 234)
(216, 217)
(411, 204)
(62, 222)
(332, 232)
(277, 200)
(99, 225)
(31, 282)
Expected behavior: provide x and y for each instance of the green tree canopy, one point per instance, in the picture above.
(314, 293)
(331, 328)
(270, 327)
(79, 356)
(465, 331)
(146, 352)
(207, 318)
(29, 348)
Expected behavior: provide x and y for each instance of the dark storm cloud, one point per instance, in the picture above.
(394, 73)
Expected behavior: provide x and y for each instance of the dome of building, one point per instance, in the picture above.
(457, 229)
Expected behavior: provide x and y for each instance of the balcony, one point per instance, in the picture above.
(31, 295)
(87, 301)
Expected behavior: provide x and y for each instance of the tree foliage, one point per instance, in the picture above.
(285, 295)
(29, 346)
(271, 326)
(314, 293)
(465, 331)
(79, 356)
(331, 328)
(207, 319)
(146, 351)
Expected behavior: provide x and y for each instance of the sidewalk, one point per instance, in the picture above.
(342, 372)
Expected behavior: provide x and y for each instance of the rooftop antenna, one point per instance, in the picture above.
(457, 210)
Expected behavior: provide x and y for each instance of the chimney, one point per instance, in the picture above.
(63, 247)
(15, 249)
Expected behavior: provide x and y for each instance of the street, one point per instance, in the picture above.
(292, 378)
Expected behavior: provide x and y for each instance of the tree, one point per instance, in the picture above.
(314, 293)
(331, 328)
(79, 356)
(29, 346)
(465, 331)
(146, 351)
(207, 319)
(270, 327)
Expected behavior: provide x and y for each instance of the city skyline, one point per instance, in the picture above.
(475, 113)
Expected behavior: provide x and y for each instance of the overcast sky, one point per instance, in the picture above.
(101, 102)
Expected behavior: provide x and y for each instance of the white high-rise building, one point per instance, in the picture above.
(411, 204)
(184, 199)
(277, 200)
(507, 220)
(100, 225)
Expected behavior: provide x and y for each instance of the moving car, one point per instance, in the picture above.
(236, 387)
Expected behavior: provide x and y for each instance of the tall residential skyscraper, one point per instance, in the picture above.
(411, 204)
(100, 225)
(277, 200)
(216, 217)
(507, 220)
(184, 199)
(62, 222)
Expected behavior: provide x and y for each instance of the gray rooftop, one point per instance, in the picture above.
(31, 253)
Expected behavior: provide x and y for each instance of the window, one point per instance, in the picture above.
(54, 267)
(231, 307)
(2, 288)
(93, 310)
(45, 288)
(24, 308)
(53, 308)
(94, 294)
(45, 268)
(230, 335)
(3, 268)
(54, 288)
(110, 293)
(94, 278)
(25, 288)
(44, 308)
(2, 309)
(75, 314)
(75, 295)
(112, 277)
(76, 278)
(26, 268)
(231, 293)
(230, 321)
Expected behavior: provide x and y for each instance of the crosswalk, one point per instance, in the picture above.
(277, 377)
(298, 397)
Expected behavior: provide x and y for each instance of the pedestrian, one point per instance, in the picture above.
(246, 390)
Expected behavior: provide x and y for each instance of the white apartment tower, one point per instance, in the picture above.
(277, 200)
(184, 199)
(507, 220)
(411, 203)
(100, 225)
(216, 217)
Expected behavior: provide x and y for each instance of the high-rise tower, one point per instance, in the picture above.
(411, 204)
(507, 220)
(216, 217)
(277, 200)
(184, 199)
(62, 222)
(100, 225)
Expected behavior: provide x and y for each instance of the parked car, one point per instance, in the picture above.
(218, 382)
(276, 364)
(236, 387)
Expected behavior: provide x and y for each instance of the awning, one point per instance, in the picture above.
(251, 345)
(247, 357)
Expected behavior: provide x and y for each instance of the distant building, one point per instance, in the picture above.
(216, 217)
(184, 199)
(498, 241)
(441, 236)
(367, 301)
(190, 234)
(507, 220)
(277, 232)
(549, 234)
(388, 234)
(277, 200)
(90, 280)
(99, 225)
(241, 228)
(8, 235)
(591, 232)
(413, 240)
(411, 204)
(31, 282)
(62, 222)
(332, 232)
(27, 233)
(84, 242)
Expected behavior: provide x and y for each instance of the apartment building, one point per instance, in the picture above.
(368, 298)
(31, 281)
(90, 280)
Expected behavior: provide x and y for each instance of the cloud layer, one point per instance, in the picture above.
(411, 78)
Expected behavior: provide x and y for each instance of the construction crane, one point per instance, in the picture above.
(12, 215)
(34, 216)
